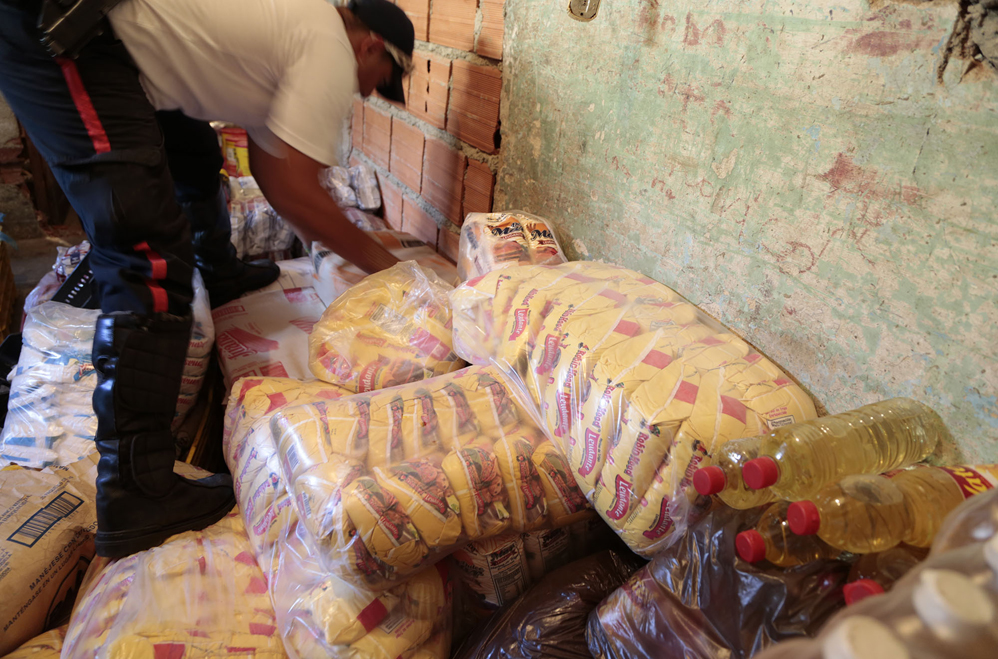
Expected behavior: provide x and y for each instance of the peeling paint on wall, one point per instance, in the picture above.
(795, 169)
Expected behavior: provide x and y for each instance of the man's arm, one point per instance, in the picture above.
(291, 185)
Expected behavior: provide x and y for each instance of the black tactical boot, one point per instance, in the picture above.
(214, 255)
(140, 501)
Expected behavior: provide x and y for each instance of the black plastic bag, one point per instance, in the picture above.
(549, 619)
(698, 600)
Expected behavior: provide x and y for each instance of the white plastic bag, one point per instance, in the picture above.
(50, 417)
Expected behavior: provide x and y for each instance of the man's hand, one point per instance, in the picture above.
(291, 185)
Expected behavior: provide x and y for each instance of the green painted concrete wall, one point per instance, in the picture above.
(794, 169)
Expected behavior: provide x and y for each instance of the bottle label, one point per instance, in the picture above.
(974, 480)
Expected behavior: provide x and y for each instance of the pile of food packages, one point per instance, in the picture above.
(511, 456)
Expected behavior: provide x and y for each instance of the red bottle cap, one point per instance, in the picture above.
(861, 589)
(760, 472)
(751, 546)
(804, 518)
(709, 480)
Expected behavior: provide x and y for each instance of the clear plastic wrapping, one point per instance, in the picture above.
(392, 328)
(50, 417)
(336, 181)
(974, 520)
(44, 291)
(365, 221)
(696, 600)
(334, 275)
(490, 241)
(365, 185)
(257, 230)
(390, 482)
(198, 351)
(199, 594)
(320, 612)
(636, 386)
(47, 526)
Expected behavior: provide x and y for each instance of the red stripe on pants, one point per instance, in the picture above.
(157, 263)
(95, 129)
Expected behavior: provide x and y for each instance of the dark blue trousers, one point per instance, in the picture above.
(125, 168)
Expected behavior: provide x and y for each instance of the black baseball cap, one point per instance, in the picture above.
(390, 22)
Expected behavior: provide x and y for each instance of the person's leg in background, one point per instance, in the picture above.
(195, 161)
(92, 122)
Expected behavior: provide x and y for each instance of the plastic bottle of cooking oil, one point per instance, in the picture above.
(724, 477)
(863, 514)
(773, 540)
(932, 492)
(798, 460)
(860, 514)
(947, 606)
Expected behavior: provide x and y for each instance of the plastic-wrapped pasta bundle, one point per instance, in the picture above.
(490, 241)
(635, 385)
(334, 275)
(404, 475)
(322, 609)
(392, 328)
(199, 594)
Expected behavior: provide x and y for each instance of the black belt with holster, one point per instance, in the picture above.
(68, 25)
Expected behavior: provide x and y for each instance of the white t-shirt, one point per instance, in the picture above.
(274, 67)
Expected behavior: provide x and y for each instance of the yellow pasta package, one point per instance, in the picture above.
(390, 411)
(474, 474)
(670, 496)
(565, 502)
(619, 371)
(527, 505)
(395, 635)
(423, 491)
(383, 527)
(319, 497)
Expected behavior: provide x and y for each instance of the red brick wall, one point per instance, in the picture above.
(435, 157)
